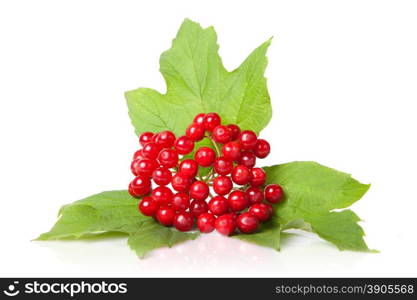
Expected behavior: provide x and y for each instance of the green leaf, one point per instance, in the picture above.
(268, 235)
(109, 212)
(198, 82)
(312, 191)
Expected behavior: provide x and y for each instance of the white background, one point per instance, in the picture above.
(343, 82)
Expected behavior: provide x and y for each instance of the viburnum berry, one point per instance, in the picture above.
(165, 216)
(183, 221)
(258, 177)
(138, 155)
(180, 201)
(184, 145)
(223, 166)
(211, 120)
(248, 159)
(241, 175)
(133, 166)
(140, 186)
(205, 156)
(218, 205)
(162, 176)
(195, 132)
(162, 195)
(145, 166)
(197, 207)
(273, 193)
(180, 182)
(254, 195)
(247, 139)
(205, 222)
(225, 224)
(221, 134)
(151, 150)
(165, 139)
(148, 206)
(234, 130)
(145, 138)
(199, 190)
(222, 185)
(261, 211)
(188, 167)
(168, 158)
(231, 151)
(247, 223)
(262, 148)
(199, 119)
(237, 201)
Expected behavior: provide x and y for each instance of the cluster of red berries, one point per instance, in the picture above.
(233, 177)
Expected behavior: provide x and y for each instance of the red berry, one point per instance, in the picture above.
(211, 120)
(261, 211)
(180, 182)
(237, 201)
(231, 151)
(248, 159)
(222, 185)
(165, 216)
(145, 167)
(254, 195)
(183, 221)
(205, 156)
(241, 175)
(223, 166)
(258, 177)
(133, 166)
(188, 167)
(273, 193)
(148, 206)
(205, 222)
(168, 158)
(199, 119)
(138, 155)
(162, 176)
(225, 224)
(262, 148)
(235, 130)
(218, 205)
(247, 139)
(165, 139)
(180, 201)
(247, 223)
(199, 190)
(145, 138)
(195, 132)
(197, 207)
(221, 134)
(162, 195)
(140, 186)
(184, 145)
(151, 150)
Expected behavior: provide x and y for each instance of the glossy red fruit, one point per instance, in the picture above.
(247, 139)
(199, 119)
(199, 190)
(168, 158)
(184, 145)
(222, 185)
(205, 222)
(183, 221)
(145, 167)
(133, 166)
(225, 224)
(148, 206)
(197, 207)
(180, 201)
(258, 177)
(247, 223)
(188, 167)
(211, 120)
(235, 131)
(248, 159)
(223, 166)
(221, 134)
(145, 138)
(180, 182)
(273, 193)
(254, 195)
(241, 175)
(165, 139)
(231, 151)
(195, 132)
(218, 205)
(237, 200)
(151, 150)
(162, 176)
(162, 195)
(262, 148)
(138, 155)
(261, 211)
(165, 216)
(140, 186)
(205, 156)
